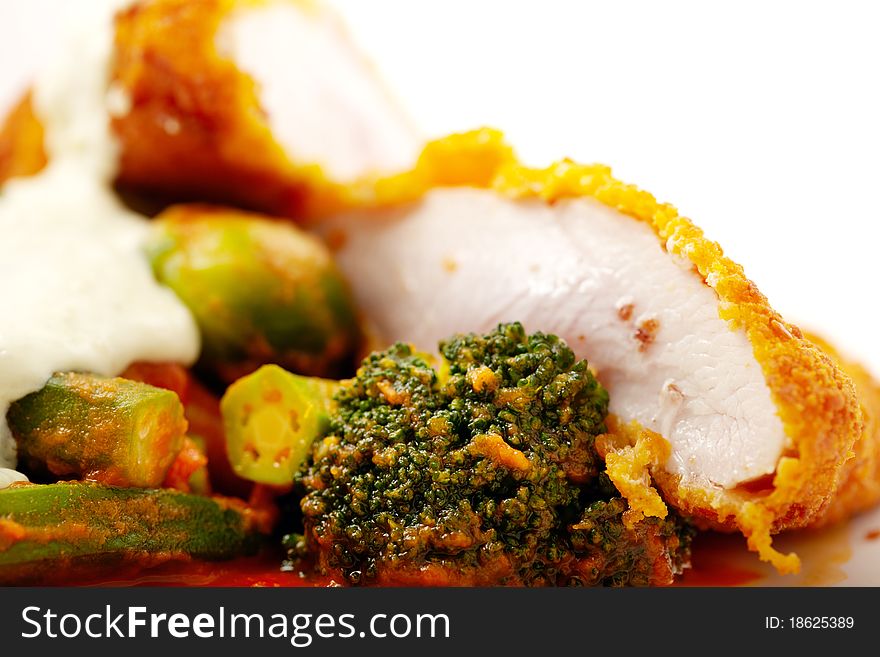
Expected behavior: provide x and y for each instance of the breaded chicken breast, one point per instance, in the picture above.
(258, 103)
(760, 420)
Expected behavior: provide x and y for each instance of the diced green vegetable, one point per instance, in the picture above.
(271, 418)
(199, 480)
(261, 291)
(111, 430)
(58, 530)
(189, 472)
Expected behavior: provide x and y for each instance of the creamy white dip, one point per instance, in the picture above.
(76, 291)
(9, 477)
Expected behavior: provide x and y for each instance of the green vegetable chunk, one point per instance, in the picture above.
(612, 553)
(111, 430)
(261, 291)
(271, 418)
(55, 531)
(483, 473)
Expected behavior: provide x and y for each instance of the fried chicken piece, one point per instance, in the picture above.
(265, 105)
(859, 487)
(759, 419)
(258, 104)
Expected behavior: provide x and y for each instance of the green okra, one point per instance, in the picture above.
(271, 419)
(261, 291)
(54, 531)
(111, 430)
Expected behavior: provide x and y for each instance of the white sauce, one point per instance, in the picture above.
(77, 293)
(9, 477)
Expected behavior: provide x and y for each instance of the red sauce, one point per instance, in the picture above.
(873, 535)
(263, 570)
(712, 564)
(717, 560)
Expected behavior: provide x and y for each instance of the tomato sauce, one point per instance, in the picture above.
(717, 560)
(263, 570)
(711, 564)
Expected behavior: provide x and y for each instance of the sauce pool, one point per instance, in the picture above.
(717, 560)
(262, 570)
(712, 563)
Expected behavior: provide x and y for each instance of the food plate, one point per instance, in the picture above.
(745, 496)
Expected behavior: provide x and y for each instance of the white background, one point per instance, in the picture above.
(759, 120)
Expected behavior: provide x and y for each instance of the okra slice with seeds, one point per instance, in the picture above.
(271, 418)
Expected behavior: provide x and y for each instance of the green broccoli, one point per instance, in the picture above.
(482, 473)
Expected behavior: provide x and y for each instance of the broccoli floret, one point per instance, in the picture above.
(482, 473)
(611, 554)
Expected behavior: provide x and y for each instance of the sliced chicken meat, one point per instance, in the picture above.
(323, 102)
(466, 259)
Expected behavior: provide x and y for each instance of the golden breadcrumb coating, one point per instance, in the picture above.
(21, 142)
(859, 488)
(631, 453)
(196, 129)
(815, 400)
